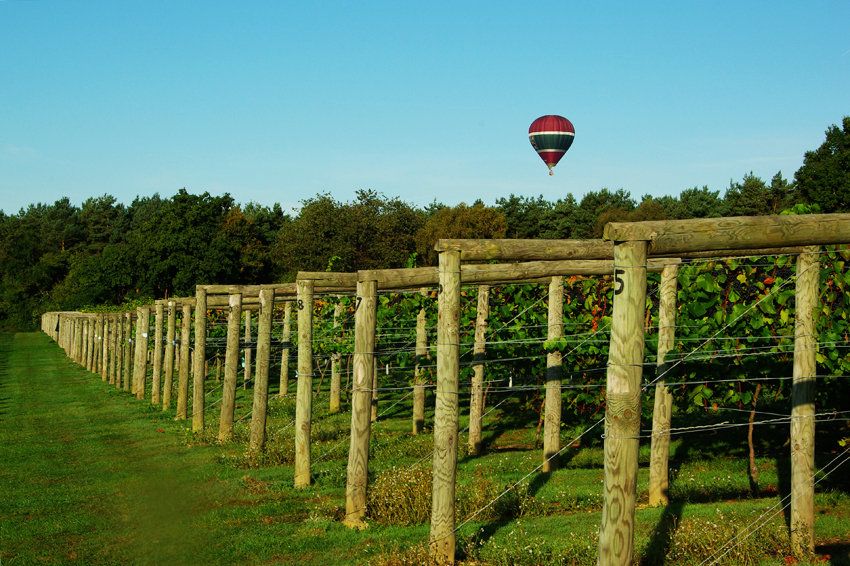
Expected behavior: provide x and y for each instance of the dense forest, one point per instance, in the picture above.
(65, 257)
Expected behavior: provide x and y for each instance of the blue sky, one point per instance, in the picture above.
(278, 101)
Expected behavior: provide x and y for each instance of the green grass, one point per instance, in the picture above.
(91, 475)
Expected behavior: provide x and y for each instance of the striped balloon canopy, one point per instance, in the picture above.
(551, 136)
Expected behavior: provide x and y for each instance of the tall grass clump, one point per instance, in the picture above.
(738, 539)
(522, 548)
(402, 496)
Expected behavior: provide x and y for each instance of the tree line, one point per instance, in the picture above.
(61, 256)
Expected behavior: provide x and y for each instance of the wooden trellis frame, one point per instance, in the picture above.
(632, 244)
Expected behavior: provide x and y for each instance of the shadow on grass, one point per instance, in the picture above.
(562, 461)
(839, 553)
(487, 532)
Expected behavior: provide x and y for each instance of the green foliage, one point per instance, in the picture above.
(371, 232)
(694, 203)
(62, 257)
(461, 221)
(753, 197)
(524, 215)
(824, 178)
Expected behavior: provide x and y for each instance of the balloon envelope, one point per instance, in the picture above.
(551, 136)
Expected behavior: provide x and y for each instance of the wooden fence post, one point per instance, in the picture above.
(442, 537)
(81, 351)
(114, 345)
(304, 395)
(128, 349)
(137, 341)
(84, 349)
(231, 367)
(476, 403)
(102, 352)
(261, 380)
(803, 403)
(69, 335)
(145, 318)
(419, 380)
(104, 345)
(623, 404)
(183, 370)
(156, 391)
(109, 329)
(554, 371)
(169, 356)
(284, 354)
(83, 341)
(246, 371)
(91, 341)
(361, 396)
(81, 347)
(335, 362)
(108, 354)
(199, 374)
(78, 339)
(76, 345)
(662, 412)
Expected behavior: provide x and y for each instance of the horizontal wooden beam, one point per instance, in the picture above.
(249, 290)
(675, 237)
(500, 273)
(546, 269)
(401, 278)
(720, 254)
(527, 250)
(329, 278)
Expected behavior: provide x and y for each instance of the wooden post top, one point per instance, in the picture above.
(733, 233)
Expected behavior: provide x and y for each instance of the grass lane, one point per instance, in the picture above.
(87, 479)
(90, 475)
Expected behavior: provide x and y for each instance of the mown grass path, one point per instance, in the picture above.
(87, 479)
(91, 476)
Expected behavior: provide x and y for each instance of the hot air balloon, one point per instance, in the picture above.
(551, 136)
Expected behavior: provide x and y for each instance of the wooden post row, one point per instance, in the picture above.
(128, 349)
(284, 355)
(552, 418)
(335, 363)
(140, 368)
(231, 361)
(156, 390)
(261, 380)
(476, 403)
(419, 378)
(183, 371)
(169, 356)
(199, 374)
(361, 397)
(442, 537)
(246, 370)
(663, 410)
(304, 395)
(118, 350)
(803, 403)
(623, 405)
